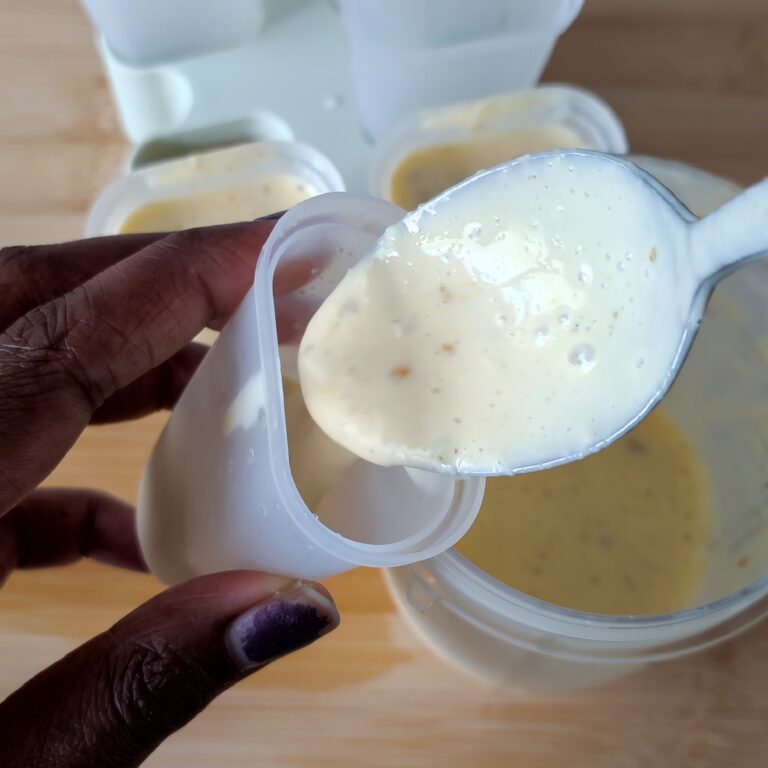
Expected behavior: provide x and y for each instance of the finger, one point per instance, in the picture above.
(293, 275)
(294, 306)
(156, 390)
(161, 387)
(116, 698)
(57, 526)
(31, 275)
(61, 361)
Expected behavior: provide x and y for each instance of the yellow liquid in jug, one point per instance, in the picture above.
(622, 532)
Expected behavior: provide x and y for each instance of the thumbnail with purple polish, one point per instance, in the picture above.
(278, 628)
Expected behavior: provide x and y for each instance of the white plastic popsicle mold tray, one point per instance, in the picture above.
(302, 79)
(290, 83)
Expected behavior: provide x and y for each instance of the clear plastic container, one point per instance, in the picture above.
(204, 172)
(147, 31)
(201, 172)
(721, 401)
(218, 492)
(549, 106)
(412, 54)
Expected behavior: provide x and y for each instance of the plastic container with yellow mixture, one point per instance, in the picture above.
(434, 149)
(217, 186)
(655, 548)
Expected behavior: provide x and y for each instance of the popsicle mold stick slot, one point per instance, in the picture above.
(218, 491)
(256, 127)
(151, 100)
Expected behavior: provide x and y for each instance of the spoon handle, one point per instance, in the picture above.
(734, 233)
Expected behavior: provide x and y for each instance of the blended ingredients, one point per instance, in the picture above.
(317, 463)
(622, 532)
(522, 317)
(241, 202)
(427, 172)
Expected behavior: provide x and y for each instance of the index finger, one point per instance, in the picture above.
(62, 360)
(33, 274)
(56, 526)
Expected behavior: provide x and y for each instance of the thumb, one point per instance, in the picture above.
(115, 699)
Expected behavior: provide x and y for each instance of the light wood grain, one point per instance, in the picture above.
(690, 80)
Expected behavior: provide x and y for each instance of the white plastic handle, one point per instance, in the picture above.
(734, 233)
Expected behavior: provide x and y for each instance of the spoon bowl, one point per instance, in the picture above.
(524, 318)
(714, 246)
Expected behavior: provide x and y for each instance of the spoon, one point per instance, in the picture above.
(708, 249)
(524, 318)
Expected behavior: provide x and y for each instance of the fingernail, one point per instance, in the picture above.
(280, 625)
(271, 216)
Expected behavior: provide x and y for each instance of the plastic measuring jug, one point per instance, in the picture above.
(720, 400)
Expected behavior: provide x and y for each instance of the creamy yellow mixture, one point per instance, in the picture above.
(241, 202)
(317, 463)
(429, 171)
(624, 531)
(521, 318)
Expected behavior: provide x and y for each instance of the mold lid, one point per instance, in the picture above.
(207, 171)
(547, 106)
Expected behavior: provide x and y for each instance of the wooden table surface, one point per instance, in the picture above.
(690, 80)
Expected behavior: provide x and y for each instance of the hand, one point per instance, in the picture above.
(98, 331)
